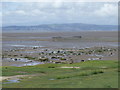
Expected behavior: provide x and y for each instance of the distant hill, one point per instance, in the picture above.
(63, 27)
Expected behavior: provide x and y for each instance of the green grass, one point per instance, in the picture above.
(91, 74)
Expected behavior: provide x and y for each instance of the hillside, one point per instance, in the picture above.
(63, 27)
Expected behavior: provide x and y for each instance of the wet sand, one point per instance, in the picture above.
(37, 45)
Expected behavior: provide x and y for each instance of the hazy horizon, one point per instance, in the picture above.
(57, 24)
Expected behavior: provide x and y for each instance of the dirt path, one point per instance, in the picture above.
(69, 67)
(10, 77)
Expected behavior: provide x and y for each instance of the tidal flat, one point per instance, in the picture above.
(86, 55)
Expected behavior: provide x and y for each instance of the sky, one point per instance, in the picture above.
(36, 13)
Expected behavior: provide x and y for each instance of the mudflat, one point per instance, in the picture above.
(59, 47)
(86, 34)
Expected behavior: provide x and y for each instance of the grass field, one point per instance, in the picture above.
(90, 74)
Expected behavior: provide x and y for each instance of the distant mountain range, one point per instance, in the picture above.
(63, 27)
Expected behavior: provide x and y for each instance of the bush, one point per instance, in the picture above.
(62, 77)
(30, 58)
(97, 72)
(51, 67)
(44, 59)
(62, 58)
(54, 57)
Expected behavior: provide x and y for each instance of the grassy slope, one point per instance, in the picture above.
(91, 74)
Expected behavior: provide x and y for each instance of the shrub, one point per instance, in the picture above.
(97, 72)
(62, 77)
(51, 67)
(44, 59)
(62, 58)
(31, 58)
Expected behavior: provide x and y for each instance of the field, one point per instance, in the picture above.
(89, 74)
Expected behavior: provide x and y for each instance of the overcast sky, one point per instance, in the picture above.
(28, 13)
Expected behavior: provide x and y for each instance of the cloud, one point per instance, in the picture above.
(59, 12)
(61, 0)
(107, 10)
(20, 12)
(37, 12)
(14, 13)
(0, 14)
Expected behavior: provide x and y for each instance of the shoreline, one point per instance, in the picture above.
(29, 44)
